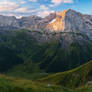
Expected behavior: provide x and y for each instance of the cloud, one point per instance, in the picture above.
(43, 7)
(23, 2)
(58, 2)
(33, 0)
(17, 16)
(7, 6)
(22, 9)
(44, 11)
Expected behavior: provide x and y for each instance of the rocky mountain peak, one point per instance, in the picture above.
(59, 22)
(65, 21)
(62, 13)
(71, 21)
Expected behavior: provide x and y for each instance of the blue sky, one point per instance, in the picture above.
(42, 8)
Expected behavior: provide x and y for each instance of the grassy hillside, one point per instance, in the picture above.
(84, 89)
(13, 84)
(74, 78)
(9, 84)
(44, 57)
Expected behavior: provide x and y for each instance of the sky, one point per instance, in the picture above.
(42, 8)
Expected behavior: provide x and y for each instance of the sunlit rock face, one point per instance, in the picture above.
(57, 24)
(67, 21)
(71, 21)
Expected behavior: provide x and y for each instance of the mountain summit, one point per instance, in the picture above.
(65, 21)
(71, 21)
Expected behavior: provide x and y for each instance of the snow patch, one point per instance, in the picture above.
(53, 21)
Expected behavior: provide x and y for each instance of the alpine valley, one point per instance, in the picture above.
(51, 54)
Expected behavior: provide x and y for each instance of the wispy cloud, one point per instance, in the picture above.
(44, 11)
(58, 2)
(33, 0)
(7, 6)
(23, 2)
(29, 7)
(22, 9)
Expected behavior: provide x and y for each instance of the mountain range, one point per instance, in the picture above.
(65, 21)
(34, 47)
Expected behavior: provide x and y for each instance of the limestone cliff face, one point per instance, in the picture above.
(71, 21)
(65, 21)
(57, 24)
(7, 22)
(30, 22)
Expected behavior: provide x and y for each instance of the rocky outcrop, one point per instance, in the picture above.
(30, 22)
(65, 21)
(71, 21)
(7, 22)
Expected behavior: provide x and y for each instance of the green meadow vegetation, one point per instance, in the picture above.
(9, 84)
(75, 78)
(59, 82)
(27, 66)
(41, 57)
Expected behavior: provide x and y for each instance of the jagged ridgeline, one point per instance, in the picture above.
(58, 42)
